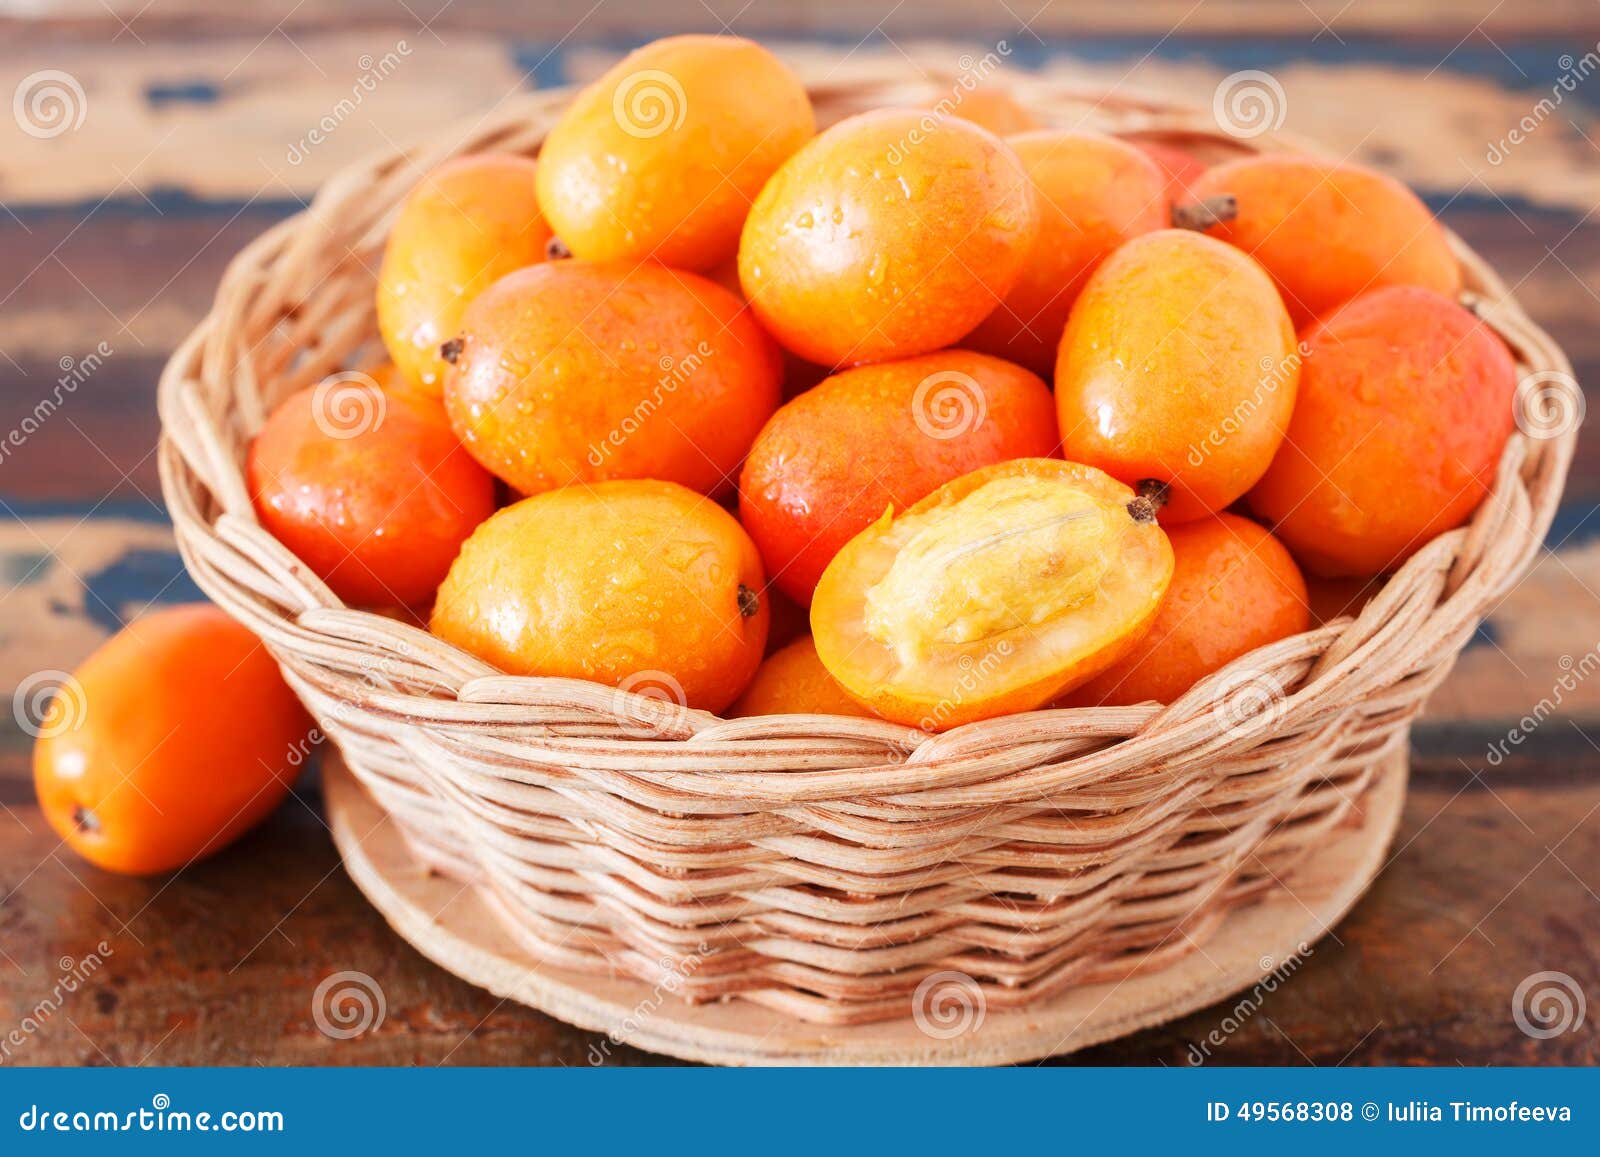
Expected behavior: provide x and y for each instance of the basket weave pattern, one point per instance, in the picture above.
(820, 866)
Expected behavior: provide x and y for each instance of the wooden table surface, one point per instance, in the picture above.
(194, 139)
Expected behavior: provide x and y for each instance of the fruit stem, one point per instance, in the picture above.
(1152, 496)
(1208, 211)
(556, 249)
(451, 350)
(749, 602)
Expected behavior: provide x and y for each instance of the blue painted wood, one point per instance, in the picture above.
(136, 579)
(1531, 63)
(159, 94)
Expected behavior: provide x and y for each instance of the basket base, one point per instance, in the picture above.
(458, 930)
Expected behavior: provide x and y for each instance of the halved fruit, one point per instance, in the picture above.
(996, 593)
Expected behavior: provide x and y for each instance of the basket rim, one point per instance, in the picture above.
(382, 669)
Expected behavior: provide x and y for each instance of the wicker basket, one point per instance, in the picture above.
(820, 866)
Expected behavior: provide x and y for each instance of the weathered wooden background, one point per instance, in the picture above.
(195, 136)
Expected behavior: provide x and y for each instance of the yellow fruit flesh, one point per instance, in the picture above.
(1009, 555)
(992, 595)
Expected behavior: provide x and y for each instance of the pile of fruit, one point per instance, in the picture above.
(935, 415)
(724, 364)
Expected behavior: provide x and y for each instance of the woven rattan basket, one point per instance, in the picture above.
(821, 866)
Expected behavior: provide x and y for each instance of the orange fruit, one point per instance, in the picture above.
(893, 233)
(832, 460)
(1328, 230)
(368, 487)
(996, 593)
(466, 224)
(662, 155)
(799, 375)
(637, 584)
(576, 371)
(1177, 368)
(174, 738)
(1095, 192)
(988, 106)
(793, 681)
(1234, 588)
(1406, 402)
(1182, 169)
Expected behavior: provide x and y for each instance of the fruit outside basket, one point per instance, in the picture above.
(821, 868)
